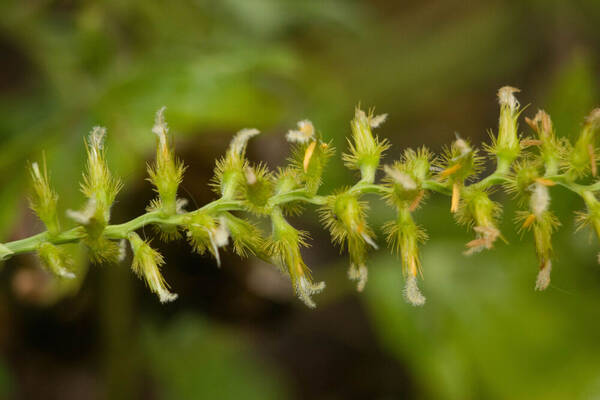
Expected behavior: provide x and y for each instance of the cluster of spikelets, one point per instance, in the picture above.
(527, 167)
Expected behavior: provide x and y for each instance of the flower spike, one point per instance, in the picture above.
(528, 168)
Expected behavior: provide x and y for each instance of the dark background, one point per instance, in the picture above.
(238, 332)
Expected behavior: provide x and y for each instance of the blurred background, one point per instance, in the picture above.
(238, 332)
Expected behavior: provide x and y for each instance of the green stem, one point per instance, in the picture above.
(363, 187)
(118, 231)
(437, 187)
(31, 243)
(296, 195)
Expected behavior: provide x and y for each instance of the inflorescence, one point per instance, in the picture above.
(527, 167)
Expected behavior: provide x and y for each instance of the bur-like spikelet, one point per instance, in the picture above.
(480, 213)
(458, 163)
(56, 260)
(229, 171)
(166, 173)
(257, 188)
(365, 149)
(228, 176)
(102, 250)
(309, 160)
(419, 162)
(582, 156)
(205, 232)
(146, 265)
(405, 179)
(552, 149)
(525, 174)
(247, 238)
(590, 217)
(344, 215)
(543, 225)
(100, 188)
(506, 145)
(286, 180)
(44, 199)
(345, 218)
(98, 182)
(404, 237)
(284, 248)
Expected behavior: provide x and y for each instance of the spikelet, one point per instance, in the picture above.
(146, 264)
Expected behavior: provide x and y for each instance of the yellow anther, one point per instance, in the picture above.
(455, 198)
(308, 154)
(450, 170)
(528, 221)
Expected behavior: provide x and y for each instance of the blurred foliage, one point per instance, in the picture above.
(206, 361)
(220, 66)
(486, 333)
(6, 381)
